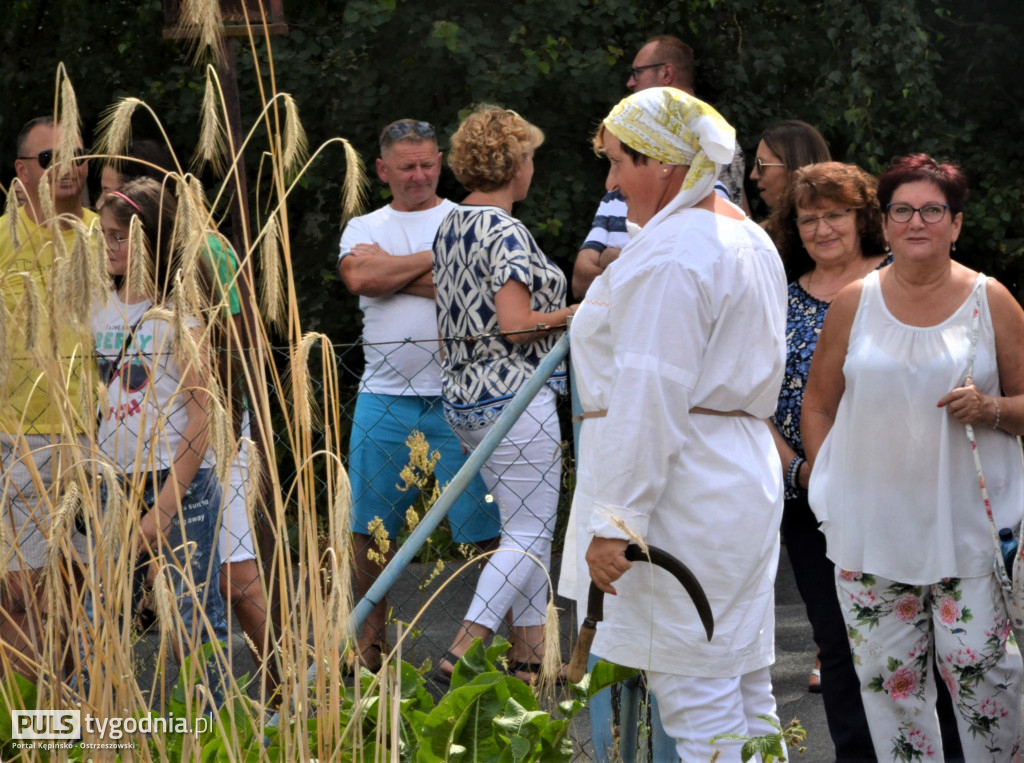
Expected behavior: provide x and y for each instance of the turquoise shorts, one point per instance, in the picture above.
(377, 454)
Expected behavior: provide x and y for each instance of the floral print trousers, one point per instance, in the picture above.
(895, 630)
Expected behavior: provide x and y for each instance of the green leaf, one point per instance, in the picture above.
(605, 674)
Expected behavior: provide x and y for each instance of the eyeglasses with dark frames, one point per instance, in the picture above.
(637, 69)
(904, 213)
(45, 157)
(761, 164)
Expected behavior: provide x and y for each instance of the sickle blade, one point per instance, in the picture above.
(681, 573)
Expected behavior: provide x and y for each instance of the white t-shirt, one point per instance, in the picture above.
(394, 365)
(145, 416)
(692, 314)
(895, 485)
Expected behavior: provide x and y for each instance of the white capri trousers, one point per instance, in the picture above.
(523, 475)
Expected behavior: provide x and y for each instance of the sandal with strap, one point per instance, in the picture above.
(533, 669)
(440, 675)
(814, 682)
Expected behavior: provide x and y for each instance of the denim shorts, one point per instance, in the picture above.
(192, 564)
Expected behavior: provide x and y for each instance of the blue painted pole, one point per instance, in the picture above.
(408, 550)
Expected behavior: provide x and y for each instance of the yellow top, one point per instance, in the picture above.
(38, 384)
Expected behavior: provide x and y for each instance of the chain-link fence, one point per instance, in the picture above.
(400, 452)
(403, 452)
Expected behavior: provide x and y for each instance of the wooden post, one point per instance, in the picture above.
(234, 25)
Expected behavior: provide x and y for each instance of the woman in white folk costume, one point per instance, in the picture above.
(679, 352)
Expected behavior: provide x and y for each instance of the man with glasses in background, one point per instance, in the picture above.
(663, 61)
(32, 450)
(386, 259)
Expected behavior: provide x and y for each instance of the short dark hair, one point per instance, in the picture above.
(950, 179)
(632, 153)
(144, 158)
(815, 185)
(796, 143)
(672, 50)
(28, 127)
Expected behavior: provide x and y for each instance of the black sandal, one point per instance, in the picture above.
(349, 668)
(439, 675)
(533, 668)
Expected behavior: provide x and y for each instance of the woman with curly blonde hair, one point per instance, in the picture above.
(500, 304)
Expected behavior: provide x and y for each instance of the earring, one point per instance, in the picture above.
(954, 246)
(887, 247)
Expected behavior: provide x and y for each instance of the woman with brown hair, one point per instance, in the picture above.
(828, 230)
(784, 148)
(907, 357)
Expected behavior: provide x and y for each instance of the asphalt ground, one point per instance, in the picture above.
(794, 650)
(435, 623)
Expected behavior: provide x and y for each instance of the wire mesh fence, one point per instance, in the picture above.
(399, 452)
(402, 452)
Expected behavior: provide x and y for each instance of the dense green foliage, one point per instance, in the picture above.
(879, 78)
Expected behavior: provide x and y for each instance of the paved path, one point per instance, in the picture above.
(794, 650)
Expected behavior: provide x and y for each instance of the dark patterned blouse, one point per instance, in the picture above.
(805, 316)
(477, 250)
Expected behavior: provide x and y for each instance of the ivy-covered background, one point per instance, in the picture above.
(879, 78)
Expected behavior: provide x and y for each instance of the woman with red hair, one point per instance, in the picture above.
(894, 481)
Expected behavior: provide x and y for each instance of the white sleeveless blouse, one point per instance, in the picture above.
(895, 486)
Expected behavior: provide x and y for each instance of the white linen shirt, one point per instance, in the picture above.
(691, 314)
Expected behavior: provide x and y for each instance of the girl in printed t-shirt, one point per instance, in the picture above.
(154, 426)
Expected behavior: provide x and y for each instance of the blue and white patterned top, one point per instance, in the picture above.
(805, 315)
(477, 250)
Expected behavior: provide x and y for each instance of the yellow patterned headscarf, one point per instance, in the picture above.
(674, 127)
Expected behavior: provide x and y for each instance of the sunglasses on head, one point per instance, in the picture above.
(46, 157)
(399, 130)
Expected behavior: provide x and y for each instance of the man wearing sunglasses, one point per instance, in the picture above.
(386, 259)
(663, 61)
(30, 429)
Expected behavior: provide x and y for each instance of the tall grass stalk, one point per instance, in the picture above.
(308, 571)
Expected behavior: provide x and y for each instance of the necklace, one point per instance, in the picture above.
(824, 296)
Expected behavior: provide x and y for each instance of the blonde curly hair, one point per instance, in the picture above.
(489, 146)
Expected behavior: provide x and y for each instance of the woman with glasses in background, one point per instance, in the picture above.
(894, 481)
(785, 147)
(828, 230)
